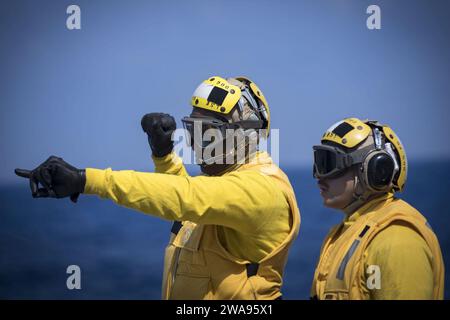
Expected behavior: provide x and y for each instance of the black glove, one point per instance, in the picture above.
(58, 179)
(159, 128)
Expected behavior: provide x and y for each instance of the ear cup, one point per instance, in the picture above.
(380, 171)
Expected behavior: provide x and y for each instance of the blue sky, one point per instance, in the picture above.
(81, 94)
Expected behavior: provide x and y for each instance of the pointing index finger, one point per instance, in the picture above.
(23, 173)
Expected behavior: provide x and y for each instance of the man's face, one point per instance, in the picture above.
(207, 138)
(337, 192)
(217, 144)
(198, 135)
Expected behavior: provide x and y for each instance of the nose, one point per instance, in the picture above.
(322, 182)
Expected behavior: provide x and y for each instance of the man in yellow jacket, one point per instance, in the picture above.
(232, 226)
(384, 248)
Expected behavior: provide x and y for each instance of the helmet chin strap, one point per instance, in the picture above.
(358, 198)
(215, 169)
(361, 194)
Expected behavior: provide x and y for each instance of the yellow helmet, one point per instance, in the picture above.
(375, 147)
(221, 95)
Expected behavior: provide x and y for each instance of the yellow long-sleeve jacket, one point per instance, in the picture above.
(252, 210)
(384, 250)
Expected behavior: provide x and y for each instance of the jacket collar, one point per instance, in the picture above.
(371, 205)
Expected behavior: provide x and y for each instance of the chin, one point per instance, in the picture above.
(332, 203)
(326, 202)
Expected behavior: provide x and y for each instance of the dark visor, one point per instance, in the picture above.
(325, 161)
(330, 161)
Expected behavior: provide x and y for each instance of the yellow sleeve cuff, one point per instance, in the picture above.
(169, 164)
(95, 181)
(163, 161)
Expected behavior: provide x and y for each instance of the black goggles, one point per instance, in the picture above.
(331, 161)
(201, 125)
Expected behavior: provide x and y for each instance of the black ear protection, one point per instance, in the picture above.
(379, 167)
(379, 171)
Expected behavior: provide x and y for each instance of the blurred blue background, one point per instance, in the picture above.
(80, 94)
